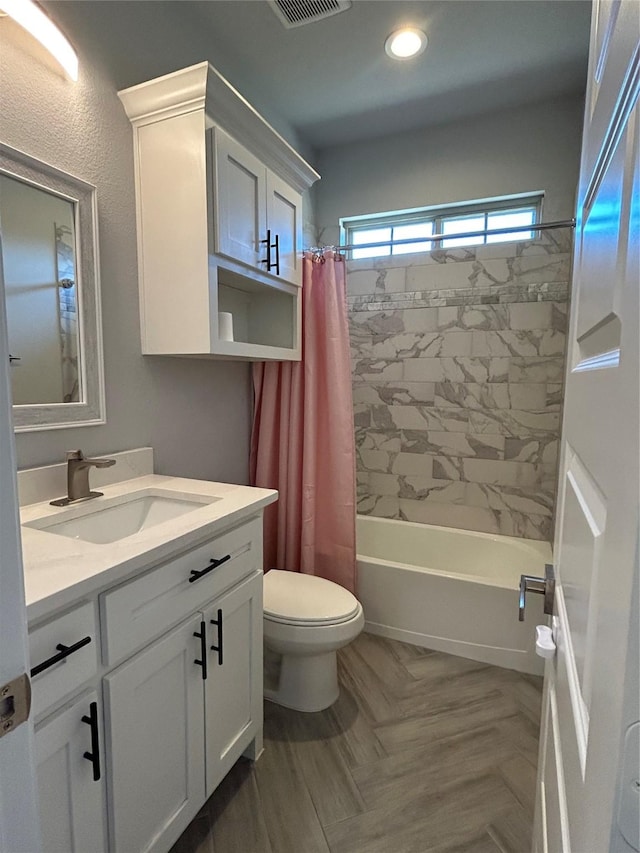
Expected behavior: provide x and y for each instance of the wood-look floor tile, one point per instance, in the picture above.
(439, 665)
(478, 843)
(331, 786)
(520, 777)
(287, 808)
(402, 776)
(425, 821)
(422, 753)
(523, 734)
(358, 743)
(367, 688)
(236, 814)
(512, 831)
(196, 838)
(440, 696)
(412, 732)
(406, 652)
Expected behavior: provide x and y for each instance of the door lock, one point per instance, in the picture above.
(543, 586)
(15, 703)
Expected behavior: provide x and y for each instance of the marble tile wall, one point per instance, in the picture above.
(458, 365)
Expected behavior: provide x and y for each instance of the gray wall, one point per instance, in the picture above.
(534, 147)
(196, 414)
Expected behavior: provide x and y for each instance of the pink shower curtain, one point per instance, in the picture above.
(302, 442)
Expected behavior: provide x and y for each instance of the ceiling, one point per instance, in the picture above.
(331, 80)
(334, 83)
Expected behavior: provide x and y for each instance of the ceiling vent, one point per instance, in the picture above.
(295, 13)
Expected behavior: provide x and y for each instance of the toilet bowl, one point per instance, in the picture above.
(306, 620)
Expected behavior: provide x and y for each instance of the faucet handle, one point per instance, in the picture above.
(74, 454)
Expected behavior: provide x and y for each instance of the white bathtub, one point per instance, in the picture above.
(454, 591)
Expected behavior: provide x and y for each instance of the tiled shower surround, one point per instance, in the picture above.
(458, 364)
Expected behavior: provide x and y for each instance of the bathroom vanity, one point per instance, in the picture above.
(146, 655)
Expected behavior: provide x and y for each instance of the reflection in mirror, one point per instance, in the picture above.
(38, 258)
(48, 260)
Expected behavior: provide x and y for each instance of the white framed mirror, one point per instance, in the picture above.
(49, 264)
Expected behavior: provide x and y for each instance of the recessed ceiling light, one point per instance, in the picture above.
(405, 43)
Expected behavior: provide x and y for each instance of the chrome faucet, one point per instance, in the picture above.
(78, 477)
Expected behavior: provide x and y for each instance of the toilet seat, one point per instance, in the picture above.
(295, 599)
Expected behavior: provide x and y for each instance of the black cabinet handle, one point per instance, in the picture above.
(94, 755)
(63, 652)
(267, 243)
(218, 648)
(213, 564)
(276, 246)
(13, 358)
(202, 635)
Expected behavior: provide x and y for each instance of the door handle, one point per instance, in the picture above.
(542, 586)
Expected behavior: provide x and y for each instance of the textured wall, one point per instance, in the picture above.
(458, 363)
(195, 413)
(524, 149)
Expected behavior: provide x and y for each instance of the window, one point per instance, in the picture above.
(419, 225)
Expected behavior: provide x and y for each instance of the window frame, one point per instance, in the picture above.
(437, 215)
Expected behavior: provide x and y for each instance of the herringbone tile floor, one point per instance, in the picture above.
(422, 753)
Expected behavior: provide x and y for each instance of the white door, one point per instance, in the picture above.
(154, 716)
(240, 202)
(234, 683)
(71, 785)
(19, 829)
(587, 798)
(284, 219)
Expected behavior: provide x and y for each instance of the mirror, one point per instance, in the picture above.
(49, 254)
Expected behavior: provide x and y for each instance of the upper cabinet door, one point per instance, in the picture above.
(284, 219)
(240, 202)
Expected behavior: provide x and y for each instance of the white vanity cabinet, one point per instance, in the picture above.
(69, 759)
(69, 741)
(219, 216)
(180, 713)
(146, 693)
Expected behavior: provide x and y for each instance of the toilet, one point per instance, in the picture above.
(306, 620)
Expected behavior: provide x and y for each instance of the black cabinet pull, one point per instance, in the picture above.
(94, 755)
(276, 246)
(202, 636)
(63, 652)
(213, 564)
(267, 243)
(218, 648)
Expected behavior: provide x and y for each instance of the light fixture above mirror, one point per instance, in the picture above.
(33, 19)
(49, 260)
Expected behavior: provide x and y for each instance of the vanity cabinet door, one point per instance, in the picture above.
(154, 715)
(240, 202)
(233, 690)
(71, 797)
(284, 219)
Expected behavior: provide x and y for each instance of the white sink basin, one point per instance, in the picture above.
(109, 520)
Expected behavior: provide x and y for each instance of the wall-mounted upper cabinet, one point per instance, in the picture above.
(257, 216)
(219, 215)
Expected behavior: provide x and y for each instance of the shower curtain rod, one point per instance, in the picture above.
(542, 226)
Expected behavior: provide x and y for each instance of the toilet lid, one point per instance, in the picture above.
(294, 597)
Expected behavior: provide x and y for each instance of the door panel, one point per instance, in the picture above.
(240, 201)
(234, 685)
(284, 212)
(71, 801)
(154, 715)
(597, 526)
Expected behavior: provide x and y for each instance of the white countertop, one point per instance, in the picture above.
(59, 570)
